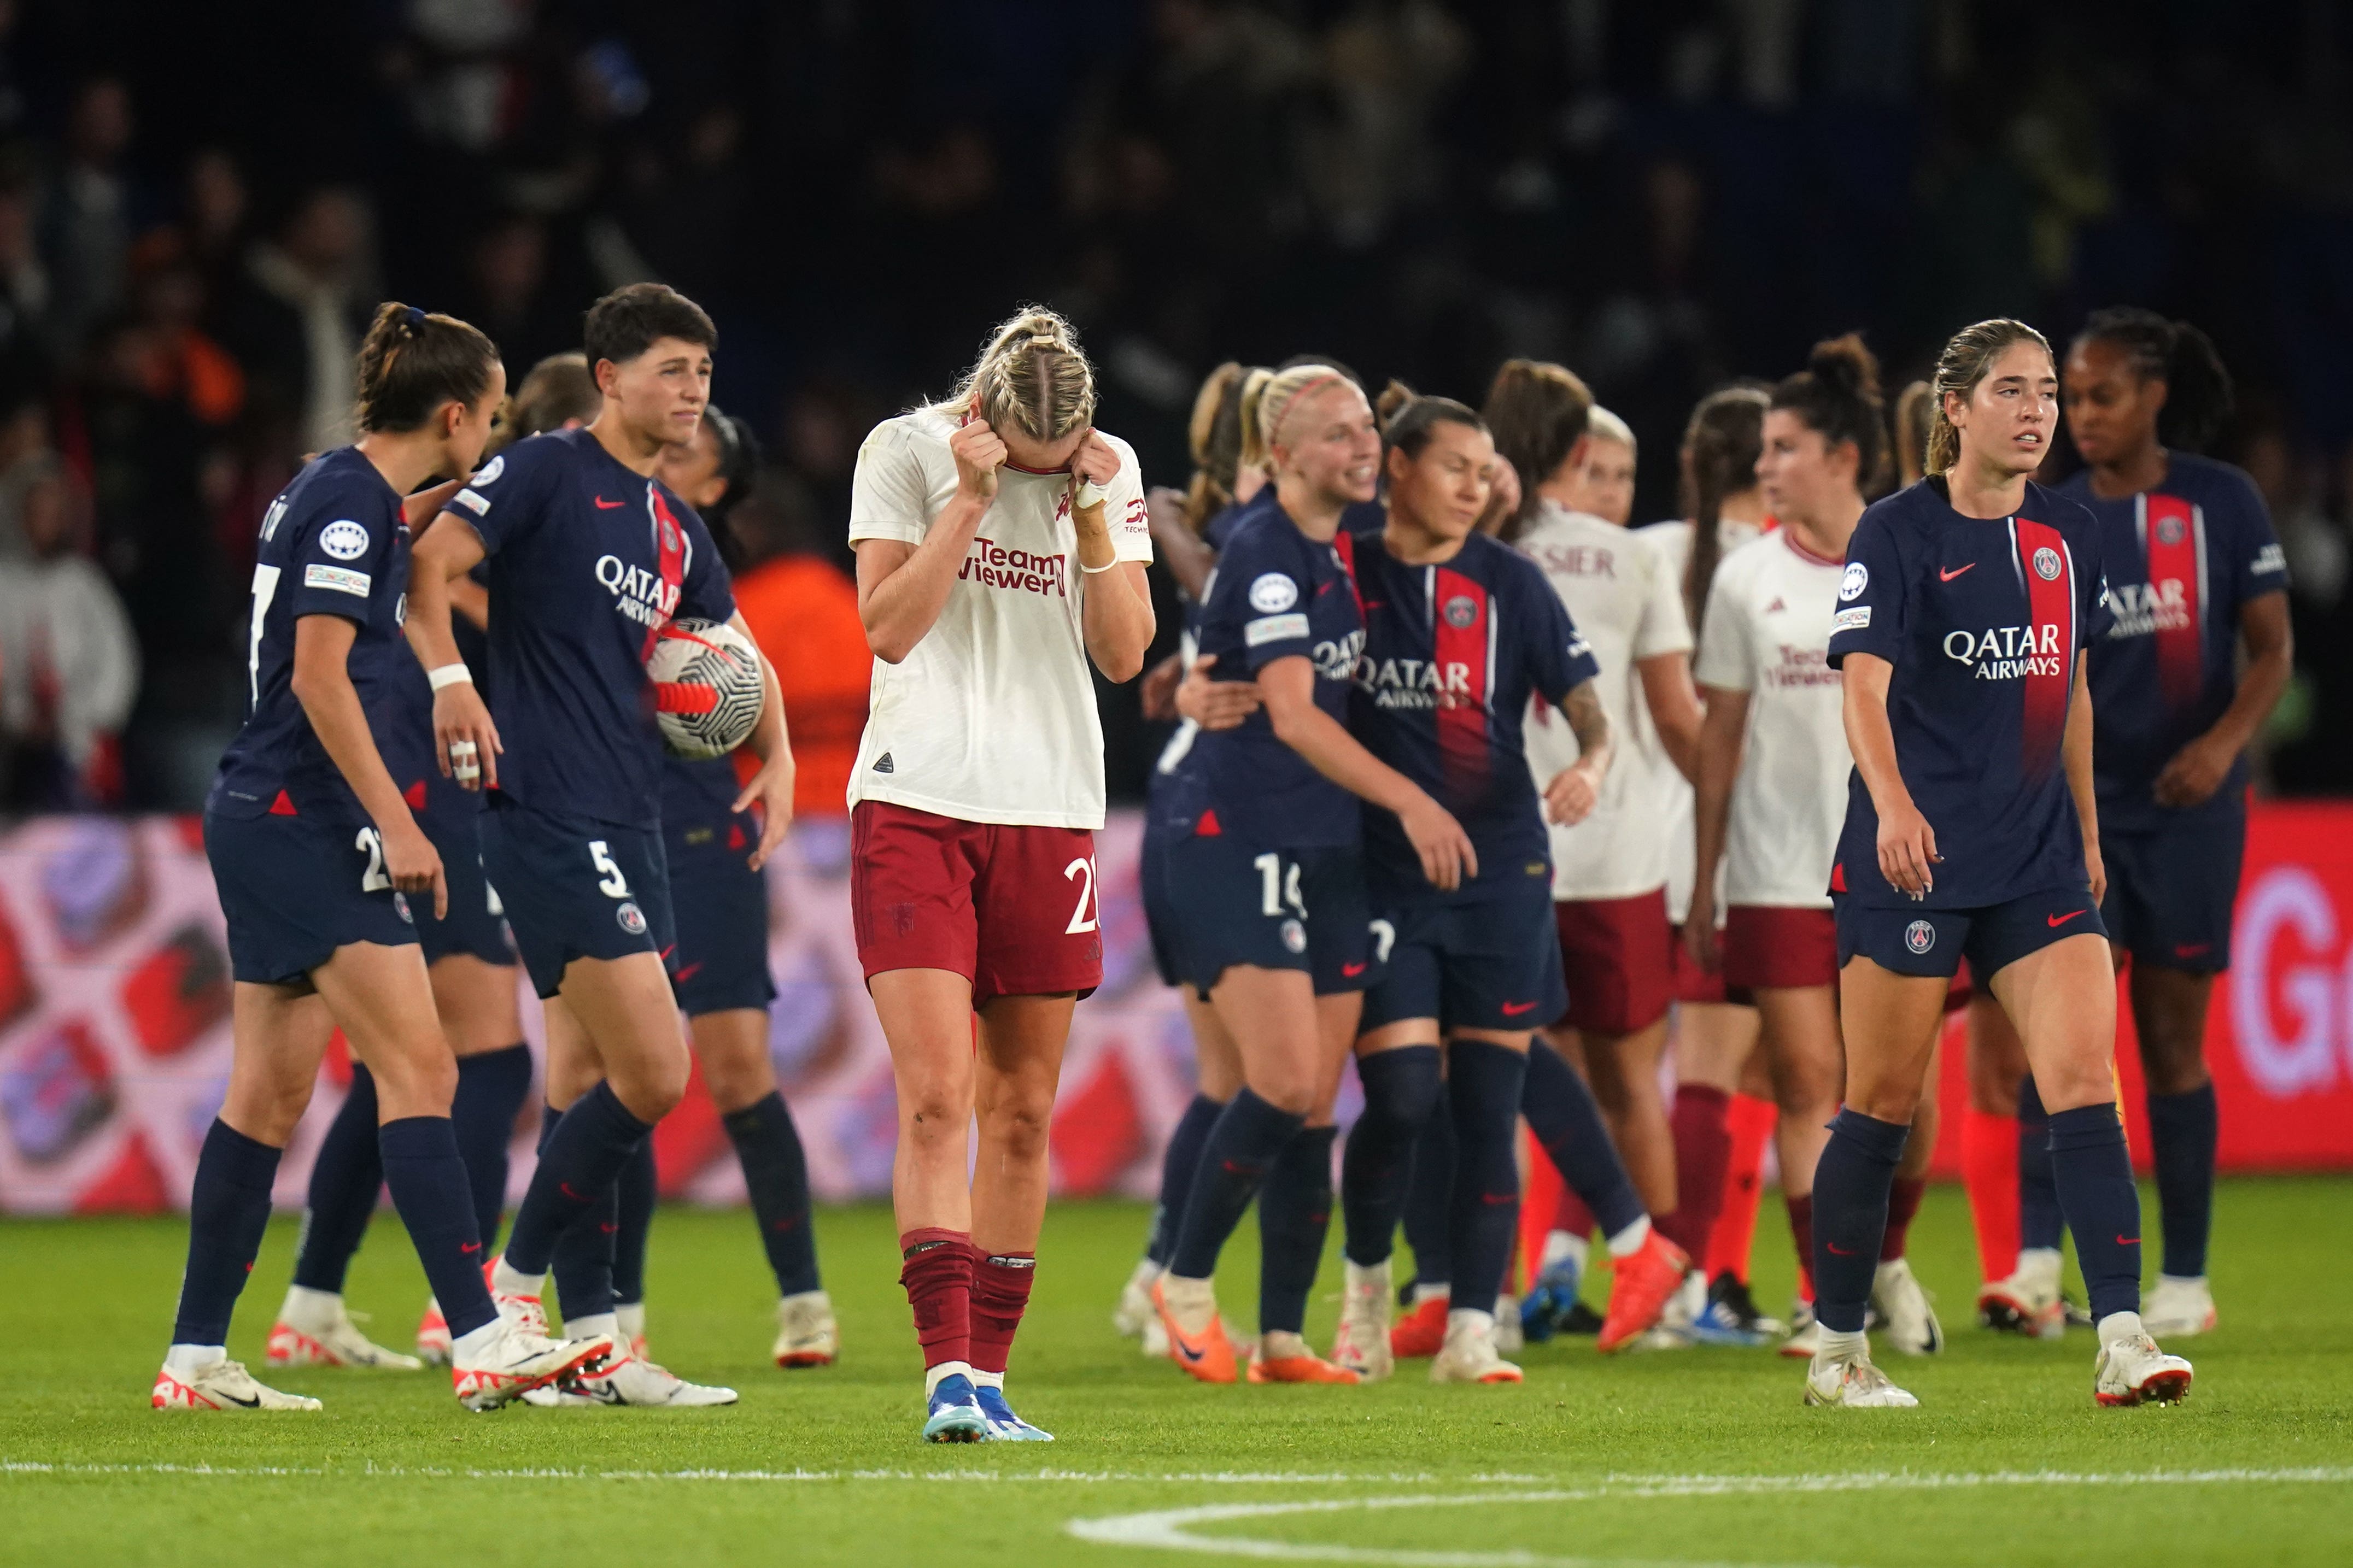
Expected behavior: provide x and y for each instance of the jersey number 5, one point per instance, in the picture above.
(615, 885)
(1085, 918)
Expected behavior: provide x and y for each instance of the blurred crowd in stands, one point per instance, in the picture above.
(199, 204)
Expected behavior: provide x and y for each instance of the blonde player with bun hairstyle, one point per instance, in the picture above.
(1001, 544)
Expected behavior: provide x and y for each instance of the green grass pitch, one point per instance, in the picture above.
(1697, 1456)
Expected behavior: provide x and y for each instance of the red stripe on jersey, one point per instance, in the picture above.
(2180, 635)
(1343, 545)
(1459, 609)
(669, 559)
(2051, 615)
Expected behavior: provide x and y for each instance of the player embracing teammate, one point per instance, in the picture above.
(1001, 544)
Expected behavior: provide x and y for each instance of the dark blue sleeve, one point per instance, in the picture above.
(708, 593)
(1559, 658)
(2257, 564)
(500, 500)
(2095, 606)
(338, 548)
(1874, 597)
(1264, 588)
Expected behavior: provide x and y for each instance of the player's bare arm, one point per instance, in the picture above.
(1569, 798)
(1287, 686)
(1116, 602)
(1673, 702)
(2198, 770)
(465, 739)
(1723, 733)
(1215, 704)
(1188, 557)
(1907, 845)
(2076, 754)
(772, 742)
(902, 587)
(323, 685)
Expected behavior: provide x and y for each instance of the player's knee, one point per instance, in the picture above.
(932, 1116)
(1017, 1128)
(1293, 1093)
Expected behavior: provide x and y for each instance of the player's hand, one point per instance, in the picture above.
(1215, 704)
(2097, 869)
(464, 738)
(414, 865)
(1094, 461)
(2196, 772)
(1907, 851)
(1159, 690)
(771, 789)
(1504, 499)
(1699, 939)
(978, 455)
(1570, 797)
(1447, 858)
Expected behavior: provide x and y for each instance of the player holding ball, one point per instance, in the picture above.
(1001, 544)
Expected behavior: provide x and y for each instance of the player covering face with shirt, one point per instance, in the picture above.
(1966, 607)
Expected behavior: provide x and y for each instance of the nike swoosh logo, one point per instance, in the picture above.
(1945, 577)
(1837, 1249)
(1513, 1009)
(566, 1188)
(603, 505)
(1352, 970)
(2127, 1241)
(2192, 949)
(688, 972)
(470, 1246)
(1189, 1353)
(252, 1403)
(2056, 920)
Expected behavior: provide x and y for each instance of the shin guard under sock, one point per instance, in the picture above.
(1401, 1090)
(1562, 1114)
(491, 1090)
(1235, 1158)
(935, 1268)
(2183, 1128)
(345, 1178)
(1749, 1124)
(1001, 1293)
(1703, 1150)
(1295, 1215)
(1903, 1197)
(577, 1168)
(1851, 1184)
(1180, 1163)
(1429, 1218)
(2093, 1171)
(431, 1188)
(1801, 1235)
(2039, 1223)
(776, 1171)
(1484, 1084)
(1990, 1175)
(633, 1203)
(229, 1209)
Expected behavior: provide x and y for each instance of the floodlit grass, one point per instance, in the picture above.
(1697, 1456)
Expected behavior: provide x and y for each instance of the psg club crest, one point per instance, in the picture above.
(2169, 530)
(1919, 936)
(400, 906)
(632, 918)
(2046, 564)
(1295, 936)
(1461, 612)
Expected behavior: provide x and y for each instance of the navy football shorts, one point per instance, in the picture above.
(1924, 941)
(295, 890)
(1489, 964)
(576, 888)
(2172, 889)
(721, 907)
(476, 924)
(1235, 902)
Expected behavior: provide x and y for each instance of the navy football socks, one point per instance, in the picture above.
(2183, 1133)
(1295, 1215)
(2039, 1224)
(1483, 1087)
(430, 1189)
(1241, 1150)
(1401, 1090)
(768, 1146)
(228, 1211)
(2093, 1171)
(577, 1169)
(1851, 1187)
(633, 1202)
(1430, 1201)
(491, 1090)
(344, 1181)
(1565, 1120)
(1178, 1166)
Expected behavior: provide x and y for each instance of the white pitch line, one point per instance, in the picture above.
(370, 1469)
(1171, 1529)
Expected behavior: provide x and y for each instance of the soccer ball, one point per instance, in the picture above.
(707, 687)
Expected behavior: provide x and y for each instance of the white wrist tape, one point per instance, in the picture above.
(1088, 495)
(451, 675)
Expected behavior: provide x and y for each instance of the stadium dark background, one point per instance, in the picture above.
(1663, 193)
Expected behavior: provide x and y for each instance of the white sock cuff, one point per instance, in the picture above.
(1628, 1241)
(934, 1375)
(1462, 1317)
(2119, 1326)
(995, 1380)
(509, 1280)
(1435, 1290)
(589, 1326)
(1835, 1343)
(187, 1360)
(1560, 1243)
(466, 1346)
(306, 1307)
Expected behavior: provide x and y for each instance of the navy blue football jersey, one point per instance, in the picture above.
(1277, 594)
(2182, 559)
(588, 561)
(1161, 794)
(333, 543)
(1986, 623)
(1453, 654)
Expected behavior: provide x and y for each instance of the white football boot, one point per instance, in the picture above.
(1905, 1314)
(223, 1384)
(314, 1328)
(1469, 1353)
(1840, 1373)
(2131, 1370)
(2179, 1307)
(1362, 1343)
(806, 1334)
(433, 1334)
(2028, 1302)
(1509, 1337)
(498, 1367)
(625, 1379)
(1135, 1310)
(1804, 1335)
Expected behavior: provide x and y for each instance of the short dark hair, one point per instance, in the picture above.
(626, 322)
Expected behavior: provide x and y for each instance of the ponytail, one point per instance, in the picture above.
(1538, 413)
(1408, 418)
(1837, 397)
(1266, 402)
(1214, 435)
(411, 362)
(1914, 410)
(1721, 445)
(2198, 395)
